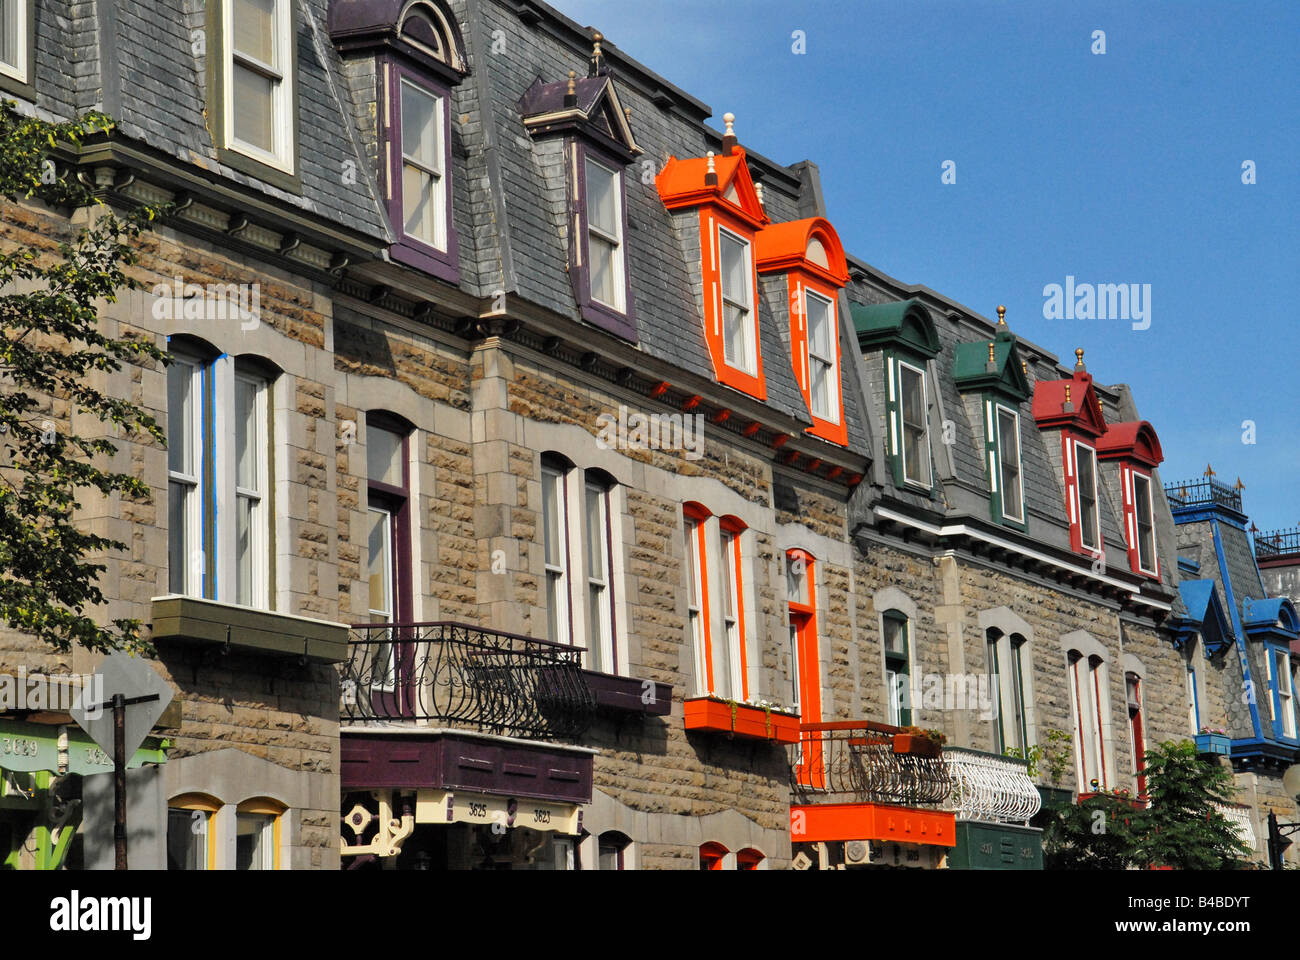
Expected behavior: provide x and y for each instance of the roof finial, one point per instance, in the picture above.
(571, 91)
(1209, 470)
(1024, 368)
(1002, 315)
(1239, 486)
(596, 68)
(1067, 393)
(758, 190)
(711, 176)
(1078, 360)
(729, 135)
(991, 358)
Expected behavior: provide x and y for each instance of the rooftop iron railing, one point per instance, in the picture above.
(1277, 543)
(1189, 493)
(463, 675)
(989, 787)
(854, 761)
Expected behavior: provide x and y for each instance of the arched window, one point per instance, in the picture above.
(580, 511)
(220, 445)
(1088, 699)
(896, 631)
(748, 859)
(257, 834)
(1007, 666)
(191, 832)
(712, 856)
(612, 850)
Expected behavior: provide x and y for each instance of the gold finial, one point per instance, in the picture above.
(1078, 361)
(1067, 393)
(1239, 486)
(1209, 470)
(1182, 492)
(596, 37)
(627, 112)
(573, 82)
(1024, 368)
(1002, 315)
(991, 360)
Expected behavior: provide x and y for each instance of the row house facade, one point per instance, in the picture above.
(560, 494)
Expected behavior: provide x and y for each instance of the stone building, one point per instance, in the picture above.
(547, 488)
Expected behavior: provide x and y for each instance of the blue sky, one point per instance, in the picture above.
(1123, 167)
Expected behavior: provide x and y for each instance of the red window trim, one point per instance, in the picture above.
(735, 527)
(1073, 503)
(712, 855)
(811, 770)
(1128, 472)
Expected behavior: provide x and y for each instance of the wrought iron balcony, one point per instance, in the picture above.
(990, 788)
(1277, 543)
(1238, 814)
(1190, 493)
(854, 761)
(465, 676)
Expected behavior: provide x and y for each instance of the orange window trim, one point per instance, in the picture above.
(799, 282)
(699, 514)
(713, 218)
(735, 527)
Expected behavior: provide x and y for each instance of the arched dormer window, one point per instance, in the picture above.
(419, 58)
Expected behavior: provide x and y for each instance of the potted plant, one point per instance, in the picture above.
(1213, 741)
(918, 742)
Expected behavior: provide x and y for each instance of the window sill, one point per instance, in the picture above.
(416, 253)
(630, 694)
(276, 177)
(206, 622)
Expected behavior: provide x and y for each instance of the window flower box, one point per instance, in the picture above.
(1212, 744)
(741, 720)
(916, 745)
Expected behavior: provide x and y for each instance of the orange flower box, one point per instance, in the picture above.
(741, 720)
(916, 745)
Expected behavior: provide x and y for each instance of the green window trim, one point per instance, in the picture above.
(895, 425)
(898, 665)
(994, 405)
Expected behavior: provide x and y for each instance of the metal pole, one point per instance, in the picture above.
(119, 780)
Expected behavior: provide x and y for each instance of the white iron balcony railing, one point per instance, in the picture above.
(1238, 814)
(990, 788)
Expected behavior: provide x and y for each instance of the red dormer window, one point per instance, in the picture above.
(730, 217)
(811, 256)
(1072, 406)
(1137, 448)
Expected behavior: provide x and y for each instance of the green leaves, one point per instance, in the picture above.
(57, 359)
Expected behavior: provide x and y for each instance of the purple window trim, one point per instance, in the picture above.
(620, 324)
(444, 264)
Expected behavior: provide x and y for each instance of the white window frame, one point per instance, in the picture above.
(1134, 477)
(19, 70)
(557, 574)
(695, 529)
(1009, 675)
(1285, 692)
(439, 239)
(749, 362)
(928, 480)
(195, 563)
(1193, 680)
(898, 698)
(620, 272)
(260, 495)
(998, 473)
(1089, 697)
(1078, 496)
(732, 609)
(282, 156)
(599, 590)
(266, 828)
(831, 414)
(383, 668)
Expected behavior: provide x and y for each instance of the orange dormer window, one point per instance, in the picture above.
(811, 256)
(720, 188)
(1137, 448)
